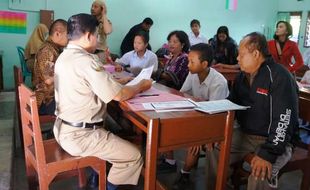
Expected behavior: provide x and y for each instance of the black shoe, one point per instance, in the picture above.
(182, 182)
(165, 167)
(93, 180)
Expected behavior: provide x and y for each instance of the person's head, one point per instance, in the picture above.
(253, 51)
(199, 57)
(222, 34)
(178, 42)
(97, 7)
(283, 28)
(82, 30)
(40, 32)
(147, 24)
(141, 41)
(58, 32)
(195, 26)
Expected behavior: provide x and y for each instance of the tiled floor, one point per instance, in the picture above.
(287, 182)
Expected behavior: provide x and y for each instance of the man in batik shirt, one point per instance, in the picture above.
(43, 75)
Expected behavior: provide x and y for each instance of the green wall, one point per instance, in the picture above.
(168, 15)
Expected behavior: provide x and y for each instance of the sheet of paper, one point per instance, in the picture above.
(218, 106)
(144, 74)
(173, 104)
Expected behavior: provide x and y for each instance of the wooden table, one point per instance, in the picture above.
(229, 74)
(304, 93)
(172, 130)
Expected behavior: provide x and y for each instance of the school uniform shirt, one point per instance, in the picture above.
(290, 51)
(273, 111)
(214, 87)
(134, 61)
(193, 39)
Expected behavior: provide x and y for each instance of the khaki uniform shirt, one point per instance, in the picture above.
(101, 38)
(44, 69)
(82, 86)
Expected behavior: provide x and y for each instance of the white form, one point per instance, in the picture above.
(145, 73)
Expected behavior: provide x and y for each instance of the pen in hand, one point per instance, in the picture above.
(146, 95)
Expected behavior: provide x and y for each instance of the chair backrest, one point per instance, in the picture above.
(304, 109)
(33, 142)
(23, 65)
(18, 80)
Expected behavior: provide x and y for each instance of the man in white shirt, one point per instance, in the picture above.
(195, 37)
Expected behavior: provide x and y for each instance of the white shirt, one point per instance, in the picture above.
(134, 61)
(196, 39)
(214, 87)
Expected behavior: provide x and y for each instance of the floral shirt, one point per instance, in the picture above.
(179, 67)
(43, 70)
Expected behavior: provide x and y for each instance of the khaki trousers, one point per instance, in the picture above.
(125, 157)
(242, 144)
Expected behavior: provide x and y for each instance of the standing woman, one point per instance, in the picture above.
(175, 70)
(35, 41)
(283, 50)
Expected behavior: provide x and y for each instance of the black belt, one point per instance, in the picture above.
(83, 124)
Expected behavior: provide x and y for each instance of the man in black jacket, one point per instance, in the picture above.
(127, 43)
(268, 126)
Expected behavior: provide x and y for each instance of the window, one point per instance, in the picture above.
(307, 33)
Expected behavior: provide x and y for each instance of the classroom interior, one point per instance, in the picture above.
(248, 16)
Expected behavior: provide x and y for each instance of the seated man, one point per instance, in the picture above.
(43, 72)
(82, 90)
(268, 127)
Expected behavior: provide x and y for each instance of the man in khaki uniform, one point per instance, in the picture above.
(82, 90)
(99, 10)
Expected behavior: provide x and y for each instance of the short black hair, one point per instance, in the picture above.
(195, 21)
(289, 29)
(257, 41)
(205, 52)
(54, 25)
(183, 38)
(144, 35)
(148, 21)
(81, 23)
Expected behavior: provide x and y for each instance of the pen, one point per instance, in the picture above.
(146, 95)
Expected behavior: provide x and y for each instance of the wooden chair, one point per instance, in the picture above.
(300, 159)
(46, 160)
(18, 79)
(25, 71)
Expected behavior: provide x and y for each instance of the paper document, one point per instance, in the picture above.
(144, 74)
(218, 106)
(172, 105)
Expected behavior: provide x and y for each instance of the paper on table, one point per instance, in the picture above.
(173, 104)
(218, 106)
(144, 74)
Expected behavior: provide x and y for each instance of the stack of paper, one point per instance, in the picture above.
(218, 106)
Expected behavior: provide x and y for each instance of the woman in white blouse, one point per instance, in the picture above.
(139, 58)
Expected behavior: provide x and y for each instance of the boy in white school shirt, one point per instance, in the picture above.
(203, 83)
(195, 36)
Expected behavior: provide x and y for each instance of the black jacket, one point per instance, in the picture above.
(273, 98)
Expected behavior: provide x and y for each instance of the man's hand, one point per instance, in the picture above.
(260, 168)
(145, 84)
(118, 68)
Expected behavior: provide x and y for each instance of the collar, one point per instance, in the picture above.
(199, 35)
(135, 54)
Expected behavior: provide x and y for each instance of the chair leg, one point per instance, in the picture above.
(305, 182)
(31, 175)
(82, 177)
